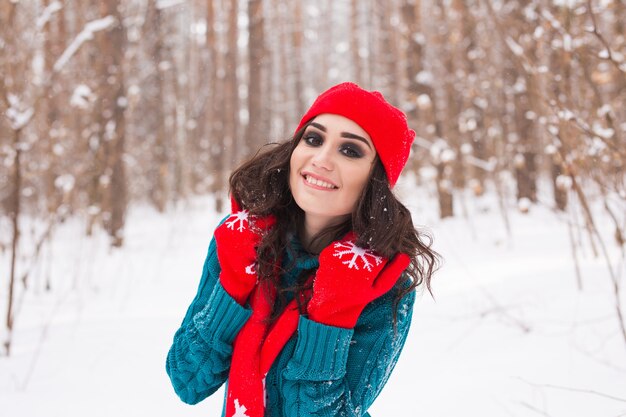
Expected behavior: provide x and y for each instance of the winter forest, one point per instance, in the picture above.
(121, 121)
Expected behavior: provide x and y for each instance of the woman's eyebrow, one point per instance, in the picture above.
(343, 134)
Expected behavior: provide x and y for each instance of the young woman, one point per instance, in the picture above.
(308, 287)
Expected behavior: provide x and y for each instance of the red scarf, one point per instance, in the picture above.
(254, 350)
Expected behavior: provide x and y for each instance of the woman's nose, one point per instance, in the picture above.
(323, 158)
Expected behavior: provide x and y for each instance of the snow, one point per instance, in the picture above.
(165, 4)
(514, 46)
(47, 13)
(572, 4)
(82, 96)
(342, 47)
(550, 18)
(566, 114)
(551, 149)
(553, 129)
(424, 102)
(508, 334)
(419, 38)
(424, 77)
(440, 151)
(603, 132)
(567, 42)
(524, 204)
(447, 155)
(604, 110)
(487, 166)
(85, 35)
(564, 182)
(122, 102)
(467, 148)
(65, 182)
(19, 118)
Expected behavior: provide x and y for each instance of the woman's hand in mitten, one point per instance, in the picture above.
(349, 278)
(237, 239)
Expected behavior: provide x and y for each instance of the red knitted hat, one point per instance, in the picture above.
(385, 123)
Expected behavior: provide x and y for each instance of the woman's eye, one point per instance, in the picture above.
(351, 151)
(312, 139)
(316, 140)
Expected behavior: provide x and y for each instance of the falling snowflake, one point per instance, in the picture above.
(240, 410)
(250, 269)
(239, 217)
(357, 253)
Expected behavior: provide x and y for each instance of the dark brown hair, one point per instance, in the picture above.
(381, 222)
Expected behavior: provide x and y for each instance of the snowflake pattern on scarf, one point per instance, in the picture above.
(239, 217)
(240, 410)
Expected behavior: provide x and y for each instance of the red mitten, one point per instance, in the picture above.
(348, 278)
(237, 239)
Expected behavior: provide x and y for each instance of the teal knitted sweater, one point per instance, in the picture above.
(321, 371)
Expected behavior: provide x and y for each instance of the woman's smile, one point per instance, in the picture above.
(329, 169)
(318, 182)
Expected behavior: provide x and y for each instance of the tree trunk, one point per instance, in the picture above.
(231, 95)
(388, 81)
(296, 41)
(355, 44)
(113, 99)
(473, 120)
(420, 97)
(215, 117)
(449, 173)
(444, 190)
(14, 215)
(54, 31)
(159, 189)
(257, 127)
(526, 144)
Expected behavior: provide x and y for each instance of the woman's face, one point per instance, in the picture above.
(330, 167)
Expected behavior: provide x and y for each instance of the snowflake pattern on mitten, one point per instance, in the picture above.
(358, 253)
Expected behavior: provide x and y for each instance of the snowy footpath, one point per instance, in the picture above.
(508, 334)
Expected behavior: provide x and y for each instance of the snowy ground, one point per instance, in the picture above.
(508, 335)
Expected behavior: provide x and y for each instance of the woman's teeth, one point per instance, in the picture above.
(319, 183)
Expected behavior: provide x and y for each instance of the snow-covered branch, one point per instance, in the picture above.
(604, 135)
(18, 115)
(437, 151)
(164, 4)
(48, 12)
(616, 58)
(85, 35)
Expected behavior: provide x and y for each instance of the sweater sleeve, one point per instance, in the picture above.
(198, 361)
(340, 372)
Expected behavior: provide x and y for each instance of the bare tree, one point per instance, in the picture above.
(257, 126)
(157, 111)
(112, 123)
(355, 40)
